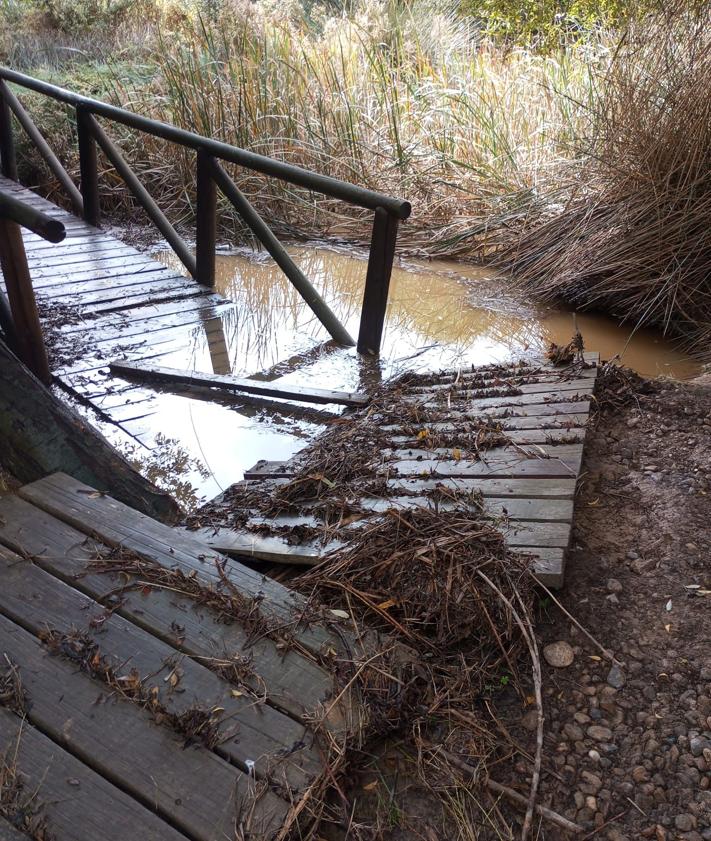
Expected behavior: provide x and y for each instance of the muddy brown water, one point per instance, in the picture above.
(440, 315)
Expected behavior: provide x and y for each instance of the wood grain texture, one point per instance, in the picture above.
(292, 682)
(250, 732)
(79, 804)
(194, 789)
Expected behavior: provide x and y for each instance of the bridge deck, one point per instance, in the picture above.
(150, 688)
(101, 300)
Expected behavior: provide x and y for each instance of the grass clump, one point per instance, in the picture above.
(627, 228)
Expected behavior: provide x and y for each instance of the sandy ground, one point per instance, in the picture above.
(628, 745)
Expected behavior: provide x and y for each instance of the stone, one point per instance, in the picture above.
(684, 822)
(599, 733)
(573, 732)
(614, 586)
(616, 677)
(559, 654)
(640, 774)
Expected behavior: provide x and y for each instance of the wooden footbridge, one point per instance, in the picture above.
(157, 682)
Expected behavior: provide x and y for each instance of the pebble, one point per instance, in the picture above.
(684, 822)
(599, 733)
(616, 677)
(559, 654)
(614, 586)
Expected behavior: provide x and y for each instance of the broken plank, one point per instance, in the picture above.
(194, 790)
(78, 803)
(37, 601)
(150, 373)
(291, 681)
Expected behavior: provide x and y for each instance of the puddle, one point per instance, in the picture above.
(440, 315)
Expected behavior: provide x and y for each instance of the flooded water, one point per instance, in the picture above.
(439, 315)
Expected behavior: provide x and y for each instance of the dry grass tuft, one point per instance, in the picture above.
(633, 237)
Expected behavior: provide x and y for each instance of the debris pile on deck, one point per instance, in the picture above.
(502, 442)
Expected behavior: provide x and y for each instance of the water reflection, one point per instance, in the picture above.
(439, 315)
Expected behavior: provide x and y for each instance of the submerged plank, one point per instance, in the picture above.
(154, 373)
(195, 790)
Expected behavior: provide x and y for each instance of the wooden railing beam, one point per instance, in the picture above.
(281, 256)
(144, 198)
(43, 148)
(21, 296)
(377, 282)
(206, 219)
(88, 168)
(8, 160)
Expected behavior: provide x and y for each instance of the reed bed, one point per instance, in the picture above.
(633, 236)
(403, 98)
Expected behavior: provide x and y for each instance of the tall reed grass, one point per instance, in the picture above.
(403, 98)
(634, 236)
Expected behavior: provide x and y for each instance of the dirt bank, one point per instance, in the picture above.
(631, 748)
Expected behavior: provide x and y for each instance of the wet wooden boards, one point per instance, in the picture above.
(124, 764)
(527, 485)
(103, 301)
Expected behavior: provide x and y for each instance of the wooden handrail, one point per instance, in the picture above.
(50, 158)
(31, 218)
(19, 315)
(281, 256)
(388, 210)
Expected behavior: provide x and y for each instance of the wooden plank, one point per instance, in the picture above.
(118, 525)
(548, 565)
(150, 373)
(580, 409)
(501, 463)
(480, 404)
(275, 743)
(550, 385)
(79, 805)
(243, 543)
(122, 285)
(9, 833)
(196, 791)
(116, 327)
(292, 682)
(534, 376)
(464, 434)
(521, 468)
(71, 253)
(500, 488)
(44, 277)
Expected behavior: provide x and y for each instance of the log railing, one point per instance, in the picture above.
(211, 175)
(18, 313)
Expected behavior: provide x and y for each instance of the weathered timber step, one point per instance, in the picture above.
(118, 525)
(78, 803)
(154, 373)
(291, 682)
(250, 735)
(195, 790)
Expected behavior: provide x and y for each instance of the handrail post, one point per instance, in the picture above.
(377, 282)
(206, 219)
(88, 168)
(28, 330)
(8, 159)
